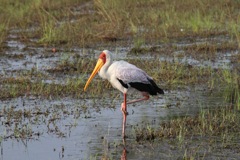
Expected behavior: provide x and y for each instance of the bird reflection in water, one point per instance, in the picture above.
(124, 154)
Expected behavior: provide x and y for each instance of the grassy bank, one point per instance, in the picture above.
(82, 22)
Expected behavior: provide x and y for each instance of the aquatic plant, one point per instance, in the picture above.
(232, 87)
(206, 123)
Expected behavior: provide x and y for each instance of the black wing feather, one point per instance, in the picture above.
(151, 87)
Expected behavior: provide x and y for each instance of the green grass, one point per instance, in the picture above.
(211, 130)
(22, 85)
(221, 121)
(165, 19)
(234, 29)
(3, 33)
(232, 88)
(167, 75)
(56, 22)
(208, 123)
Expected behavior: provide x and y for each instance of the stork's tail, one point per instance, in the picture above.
(158, 90)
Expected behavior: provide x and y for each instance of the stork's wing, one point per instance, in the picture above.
(129, 73)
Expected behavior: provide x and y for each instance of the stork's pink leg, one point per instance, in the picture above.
(124, 111)
(145, 97)
(124, 108)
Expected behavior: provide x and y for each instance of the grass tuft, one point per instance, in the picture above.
(208, 123)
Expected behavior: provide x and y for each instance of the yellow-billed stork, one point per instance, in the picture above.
(124, 76)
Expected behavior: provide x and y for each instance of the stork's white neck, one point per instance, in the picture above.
(103, 71)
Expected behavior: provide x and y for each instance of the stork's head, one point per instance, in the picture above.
(103, 57)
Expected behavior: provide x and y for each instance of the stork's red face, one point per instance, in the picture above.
(101, 61)
(102, 56)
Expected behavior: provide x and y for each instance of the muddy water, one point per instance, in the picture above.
(96, 131)
(69, 128)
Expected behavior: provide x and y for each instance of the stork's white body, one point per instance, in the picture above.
(123, 76)
(122, 70)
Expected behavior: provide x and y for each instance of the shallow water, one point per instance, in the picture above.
(91, 128)
(95, 132)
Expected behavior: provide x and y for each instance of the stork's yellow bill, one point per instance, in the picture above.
(98, 66)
